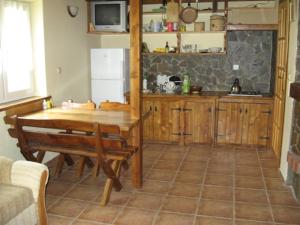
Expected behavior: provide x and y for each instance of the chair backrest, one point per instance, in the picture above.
(116, 106)
(75, 105)
(32, 137)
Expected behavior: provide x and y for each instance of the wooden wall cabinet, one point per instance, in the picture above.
(244, 123)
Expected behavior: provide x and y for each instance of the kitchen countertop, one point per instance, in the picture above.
(217, 94)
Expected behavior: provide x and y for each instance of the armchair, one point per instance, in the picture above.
(22, 192)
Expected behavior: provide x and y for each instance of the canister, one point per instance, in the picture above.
(199, 26)
(217, 23)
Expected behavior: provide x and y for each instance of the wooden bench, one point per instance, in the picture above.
(104, 144)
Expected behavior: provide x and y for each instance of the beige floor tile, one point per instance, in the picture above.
(173, 156)
(216, 208)
(174, 219)
(67, 207)
(50, 200)
(145, 201)
(271, 173)
(116, 198)
(190, 177)
(98, 181)
(100, 214)
(288, 215)
(135, 217)
(152, 154)
(166, 165)
(275, 184)
(193, 166)
(269, 163)
(58, 220)
(254, 196)
(185, 190)
(148, 163)
(217, 193)
(249, 182)
(248, 171)
(181, 205)
(219, 180)
(283, 198)
(85, 222)
(220, 168)
(161, 175)
(71, 176)
(84, 193)
(152, 186)
(253, 212)
(212, 221)
(268, 154)
(248, 222)
(58, 188)
(197, 157)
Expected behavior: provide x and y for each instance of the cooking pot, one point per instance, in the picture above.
(189, 14)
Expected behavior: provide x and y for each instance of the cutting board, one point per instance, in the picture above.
(172, 11)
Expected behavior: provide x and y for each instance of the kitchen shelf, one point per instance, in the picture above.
(252, 27)
(201, 11)
(184, 53)
(108, 33)
(186, 32)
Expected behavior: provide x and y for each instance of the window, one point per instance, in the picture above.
(16, 61)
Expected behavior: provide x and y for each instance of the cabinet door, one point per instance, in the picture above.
(148, 122)
(198, 122)
(256, 124)
(230, 117)
(166, 120)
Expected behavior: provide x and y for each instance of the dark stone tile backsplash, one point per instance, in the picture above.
(253, 51)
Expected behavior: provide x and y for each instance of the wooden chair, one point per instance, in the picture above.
(103, 144)
(89, 105)
(117, 106)
(70, 104)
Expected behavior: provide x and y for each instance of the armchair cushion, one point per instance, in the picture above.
(5, 168)
(14, 201)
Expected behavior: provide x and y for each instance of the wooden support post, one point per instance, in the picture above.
(135, 87)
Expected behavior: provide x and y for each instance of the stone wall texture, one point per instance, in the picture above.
(253, 51)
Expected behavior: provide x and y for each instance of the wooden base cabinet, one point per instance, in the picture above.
(244, 123)
(199, 121)
(164, 122)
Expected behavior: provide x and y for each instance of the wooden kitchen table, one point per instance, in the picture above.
(123, 119)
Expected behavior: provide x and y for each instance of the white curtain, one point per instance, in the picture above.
(16, 48)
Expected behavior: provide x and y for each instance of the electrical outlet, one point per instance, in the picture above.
(236, 67)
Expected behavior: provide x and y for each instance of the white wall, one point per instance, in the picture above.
(66, 48)
(289, 101)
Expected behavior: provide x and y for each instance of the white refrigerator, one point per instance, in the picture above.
(109, 74)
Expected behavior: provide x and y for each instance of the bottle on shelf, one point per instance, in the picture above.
(167, 48)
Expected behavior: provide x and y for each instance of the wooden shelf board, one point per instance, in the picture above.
(186, 32)
(108, 33)
(252, 27)
(183, 53)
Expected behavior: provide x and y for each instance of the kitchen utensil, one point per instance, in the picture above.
(175, 79)
(189, 14)
(236, 88)
(195, 89)
(217, 23)
(170, 87)
(172, 11)
(214, 49)
(199, 26)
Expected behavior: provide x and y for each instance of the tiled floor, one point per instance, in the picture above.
(195, 185)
